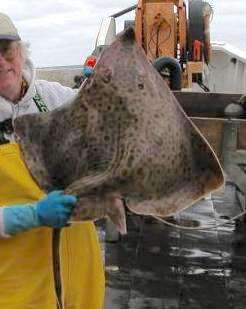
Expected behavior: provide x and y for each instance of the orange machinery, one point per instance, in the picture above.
(177, 42)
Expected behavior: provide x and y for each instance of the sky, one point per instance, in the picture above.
(62, 32)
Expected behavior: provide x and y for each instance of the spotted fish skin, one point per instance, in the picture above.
(124, 136)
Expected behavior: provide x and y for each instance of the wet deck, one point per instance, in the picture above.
(161, 267)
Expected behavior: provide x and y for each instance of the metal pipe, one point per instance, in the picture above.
(131, 8)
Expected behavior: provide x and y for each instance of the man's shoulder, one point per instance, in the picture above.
(53, 93)
(54, 87)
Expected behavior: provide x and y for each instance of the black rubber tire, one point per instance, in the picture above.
(175, 70)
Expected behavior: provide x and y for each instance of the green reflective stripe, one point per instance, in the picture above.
(3, 140)
(42, 107)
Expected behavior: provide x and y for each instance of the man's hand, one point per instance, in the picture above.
(55, 209)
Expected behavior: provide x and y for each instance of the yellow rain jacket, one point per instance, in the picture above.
(26, 262)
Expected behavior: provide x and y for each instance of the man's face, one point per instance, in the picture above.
(11, 64)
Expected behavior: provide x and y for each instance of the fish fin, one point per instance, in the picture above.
(116, 213)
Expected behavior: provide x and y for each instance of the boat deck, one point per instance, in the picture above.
(160, 267)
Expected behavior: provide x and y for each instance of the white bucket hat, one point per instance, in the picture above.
(8, 30)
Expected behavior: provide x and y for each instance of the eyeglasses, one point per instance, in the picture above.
(8, 50)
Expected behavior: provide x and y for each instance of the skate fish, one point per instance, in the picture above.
(124, 137)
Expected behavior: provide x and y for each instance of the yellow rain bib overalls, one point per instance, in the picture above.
(26, 261)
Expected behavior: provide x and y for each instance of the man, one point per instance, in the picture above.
(27, 216)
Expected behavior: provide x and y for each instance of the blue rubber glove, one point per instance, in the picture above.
(87, 71)
(54, 211)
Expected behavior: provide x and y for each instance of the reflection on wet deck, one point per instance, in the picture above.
(160, 267)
